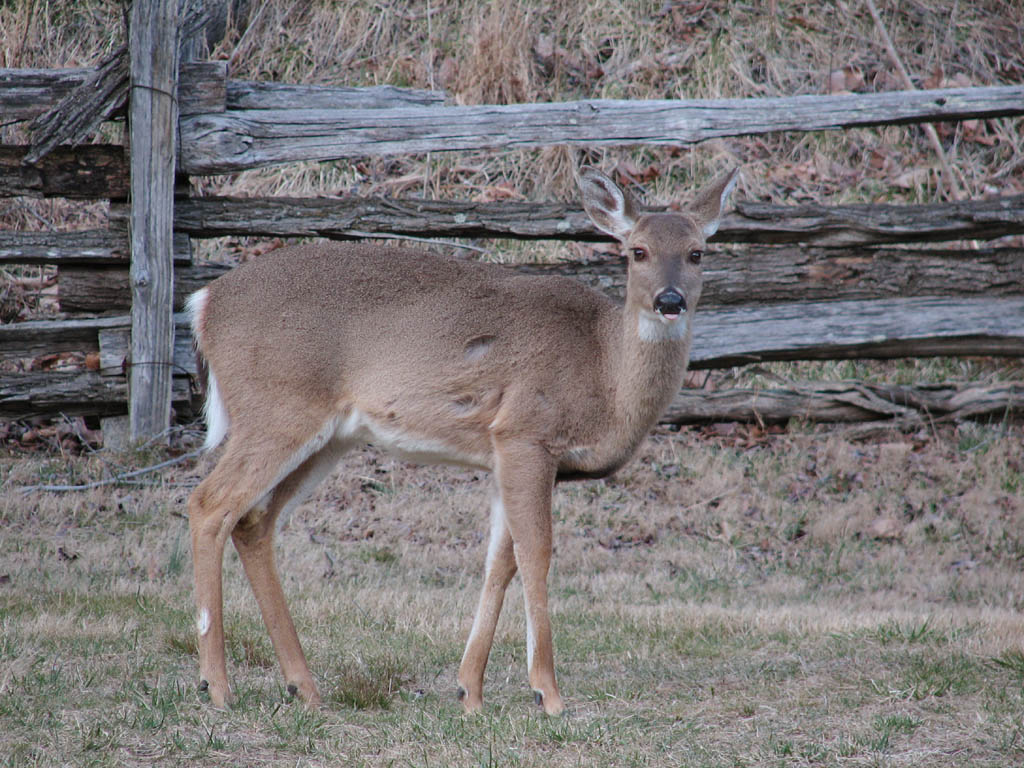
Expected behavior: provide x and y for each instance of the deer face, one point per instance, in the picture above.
(665, 251)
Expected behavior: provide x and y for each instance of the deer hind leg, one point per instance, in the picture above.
(244, 478)
(253, 537)
(499, 570)
(526, 477)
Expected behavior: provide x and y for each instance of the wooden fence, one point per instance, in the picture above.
(787, 282)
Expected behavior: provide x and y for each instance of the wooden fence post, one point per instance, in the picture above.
(153, 115)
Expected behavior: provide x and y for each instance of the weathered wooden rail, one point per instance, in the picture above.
(236, 140)
(787, 282)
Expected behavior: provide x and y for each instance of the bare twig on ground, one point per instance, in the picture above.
(111, 480)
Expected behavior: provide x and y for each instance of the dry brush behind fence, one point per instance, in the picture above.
(788, 282)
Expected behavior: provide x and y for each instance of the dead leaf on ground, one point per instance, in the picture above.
(884, 529)
(845, 80)
(503, 190)
(913, 178)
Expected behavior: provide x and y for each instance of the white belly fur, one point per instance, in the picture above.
(360, 428)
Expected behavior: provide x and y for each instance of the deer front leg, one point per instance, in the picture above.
(526, 478)
(498, 572)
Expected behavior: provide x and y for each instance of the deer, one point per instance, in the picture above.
(312, 350)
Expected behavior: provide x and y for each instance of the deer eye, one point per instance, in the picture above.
(696, 256)
(639, 254)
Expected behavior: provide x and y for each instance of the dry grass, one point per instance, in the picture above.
(729, 600)
(723, 601)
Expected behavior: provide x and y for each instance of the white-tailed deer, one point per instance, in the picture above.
(315, 349)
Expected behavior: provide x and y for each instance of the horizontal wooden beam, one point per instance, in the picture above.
(91, 247)
(25, 93)
(49, 393)
(40, 337)
(249, 94)
(759, 275)
(750, 275)
(238, 140)
(203, 88)
(107, 289)
(354, 217)
(848, 401)
(847, 330)
(88, 172)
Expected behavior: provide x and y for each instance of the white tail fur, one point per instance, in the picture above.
(214, 414)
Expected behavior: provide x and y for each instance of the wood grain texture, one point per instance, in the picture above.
(844, 330)
(848, 401)
(89, 172)
(750, 275)
(80, 112)
(153, 121)
(237, 140)
(27, 395)
(825, 226)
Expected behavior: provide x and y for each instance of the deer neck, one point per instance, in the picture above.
(650, 365)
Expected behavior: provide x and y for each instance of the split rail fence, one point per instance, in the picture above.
(786, 283)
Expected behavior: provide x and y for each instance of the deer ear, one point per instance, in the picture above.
(610, 208)
(710, 203)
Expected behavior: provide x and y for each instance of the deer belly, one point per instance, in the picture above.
(358, 428)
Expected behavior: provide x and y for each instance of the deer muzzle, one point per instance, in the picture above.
(669, 303)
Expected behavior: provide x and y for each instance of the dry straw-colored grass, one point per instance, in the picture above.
(723, 601)
(730, 598)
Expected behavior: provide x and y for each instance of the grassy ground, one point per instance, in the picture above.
(738, 600)
(731, 599)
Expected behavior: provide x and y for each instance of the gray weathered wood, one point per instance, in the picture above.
(105, 290)
(202, 87)
(99, 247)
(238, 140)
(349, 217)
(94, 246)
(844, 330)
(84, 173)
(756, 275)
(750, 275)
(41, 337)
(249, 94)
(81, 111)
(848, 401)
(49, 393)
(153, 117)
(113, 348)
(25, 93)
(846, 225)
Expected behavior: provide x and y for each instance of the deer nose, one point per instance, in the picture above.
(669, 303)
